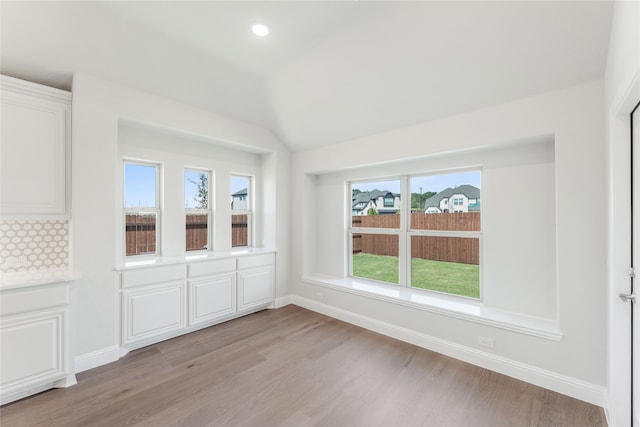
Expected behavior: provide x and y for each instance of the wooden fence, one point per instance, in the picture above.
(197, 232)
(451, 249)
(462, 221)
(140, 233)
(239, 230)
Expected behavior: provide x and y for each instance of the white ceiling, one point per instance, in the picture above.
(329, 71)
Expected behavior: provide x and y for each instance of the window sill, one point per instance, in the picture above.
(189, 258)
(473, 311)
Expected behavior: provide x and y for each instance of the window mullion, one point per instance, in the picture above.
(404, 252)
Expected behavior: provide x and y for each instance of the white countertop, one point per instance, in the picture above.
(142, 261)
(35, 278)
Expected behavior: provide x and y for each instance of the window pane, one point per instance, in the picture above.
(197, 237)
(375, 256)
(240, 193)
(196, 190)
(239, 230)
(140, 234)
(446, 202)
(140, 186)
(446, 264)
(375, 204)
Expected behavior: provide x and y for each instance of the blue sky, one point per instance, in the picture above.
(435, 183)
(140, 186)
(238, 183)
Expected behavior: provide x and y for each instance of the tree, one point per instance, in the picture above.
(372, 211)
(203, 191)
(417, 199)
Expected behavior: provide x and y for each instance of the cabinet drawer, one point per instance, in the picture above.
(209, 268)
(149, 276)
(24, 300)
(253, 261)
(153, 311)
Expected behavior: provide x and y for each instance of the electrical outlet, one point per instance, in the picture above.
(486, 342)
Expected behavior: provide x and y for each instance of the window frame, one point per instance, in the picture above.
(157, 210)
(249, 211)
(200, 211)
(405, 232)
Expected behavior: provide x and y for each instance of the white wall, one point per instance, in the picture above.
(622, 92)
(98, 107)
(574, 117)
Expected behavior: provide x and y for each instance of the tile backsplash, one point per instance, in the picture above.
(33, 245)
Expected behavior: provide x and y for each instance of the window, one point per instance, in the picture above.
(197, 210)
(241, 213)
(374, 236)
(141, 208)
(424, 246)
(388, 201)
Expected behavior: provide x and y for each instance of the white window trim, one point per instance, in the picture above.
(405, 233)
(139, 210)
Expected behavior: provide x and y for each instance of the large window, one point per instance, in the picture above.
(432, 241)
(141, 208)
(241, 211)
(197, 209)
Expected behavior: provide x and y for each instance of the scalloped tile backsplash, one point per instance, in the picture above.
(33, 245)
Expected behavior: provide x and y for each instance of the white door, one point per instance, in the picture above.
(635, 282)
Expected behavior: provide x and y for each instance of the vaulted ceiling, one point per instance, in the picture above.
(328, 71)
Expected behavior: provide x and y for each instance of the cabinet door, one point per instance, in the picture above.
(211, 298)
(33, 154)
(33, 350)
(255, 288)
(153, 311)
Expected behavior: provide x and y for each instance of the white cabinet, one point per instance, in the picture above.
(161, 302)
(153, 303)
(212, 290)
(255, 288)
(255, 281)
(35, 148)
(211, 298)
(34, 332)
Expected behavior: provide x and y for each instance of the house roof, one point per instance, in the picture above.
(242, 192)
(366, 196)
(468, 190)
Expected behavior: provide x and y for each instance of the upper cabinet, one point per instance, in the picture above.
(35, 150)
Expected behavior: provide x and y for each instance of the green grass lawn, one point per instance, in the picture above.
(449, 277)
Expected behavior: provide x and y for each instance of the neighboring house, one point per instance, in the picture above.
(239, 200)
(384, 202)
(465, 198)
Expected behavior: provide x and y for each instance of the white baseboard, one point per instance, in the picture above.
(569, 386)
(282, 301)
(96, 358)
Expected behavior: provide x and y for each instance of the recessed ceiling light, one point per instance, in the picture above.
(260, 30)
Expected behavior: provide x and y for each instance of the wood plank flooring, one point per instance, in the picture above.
(294, 367)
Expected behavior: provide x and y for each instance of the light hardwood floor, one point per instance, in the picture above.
(294, 367)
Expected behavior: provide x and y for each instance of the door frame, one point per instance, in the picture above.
(619, 219)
